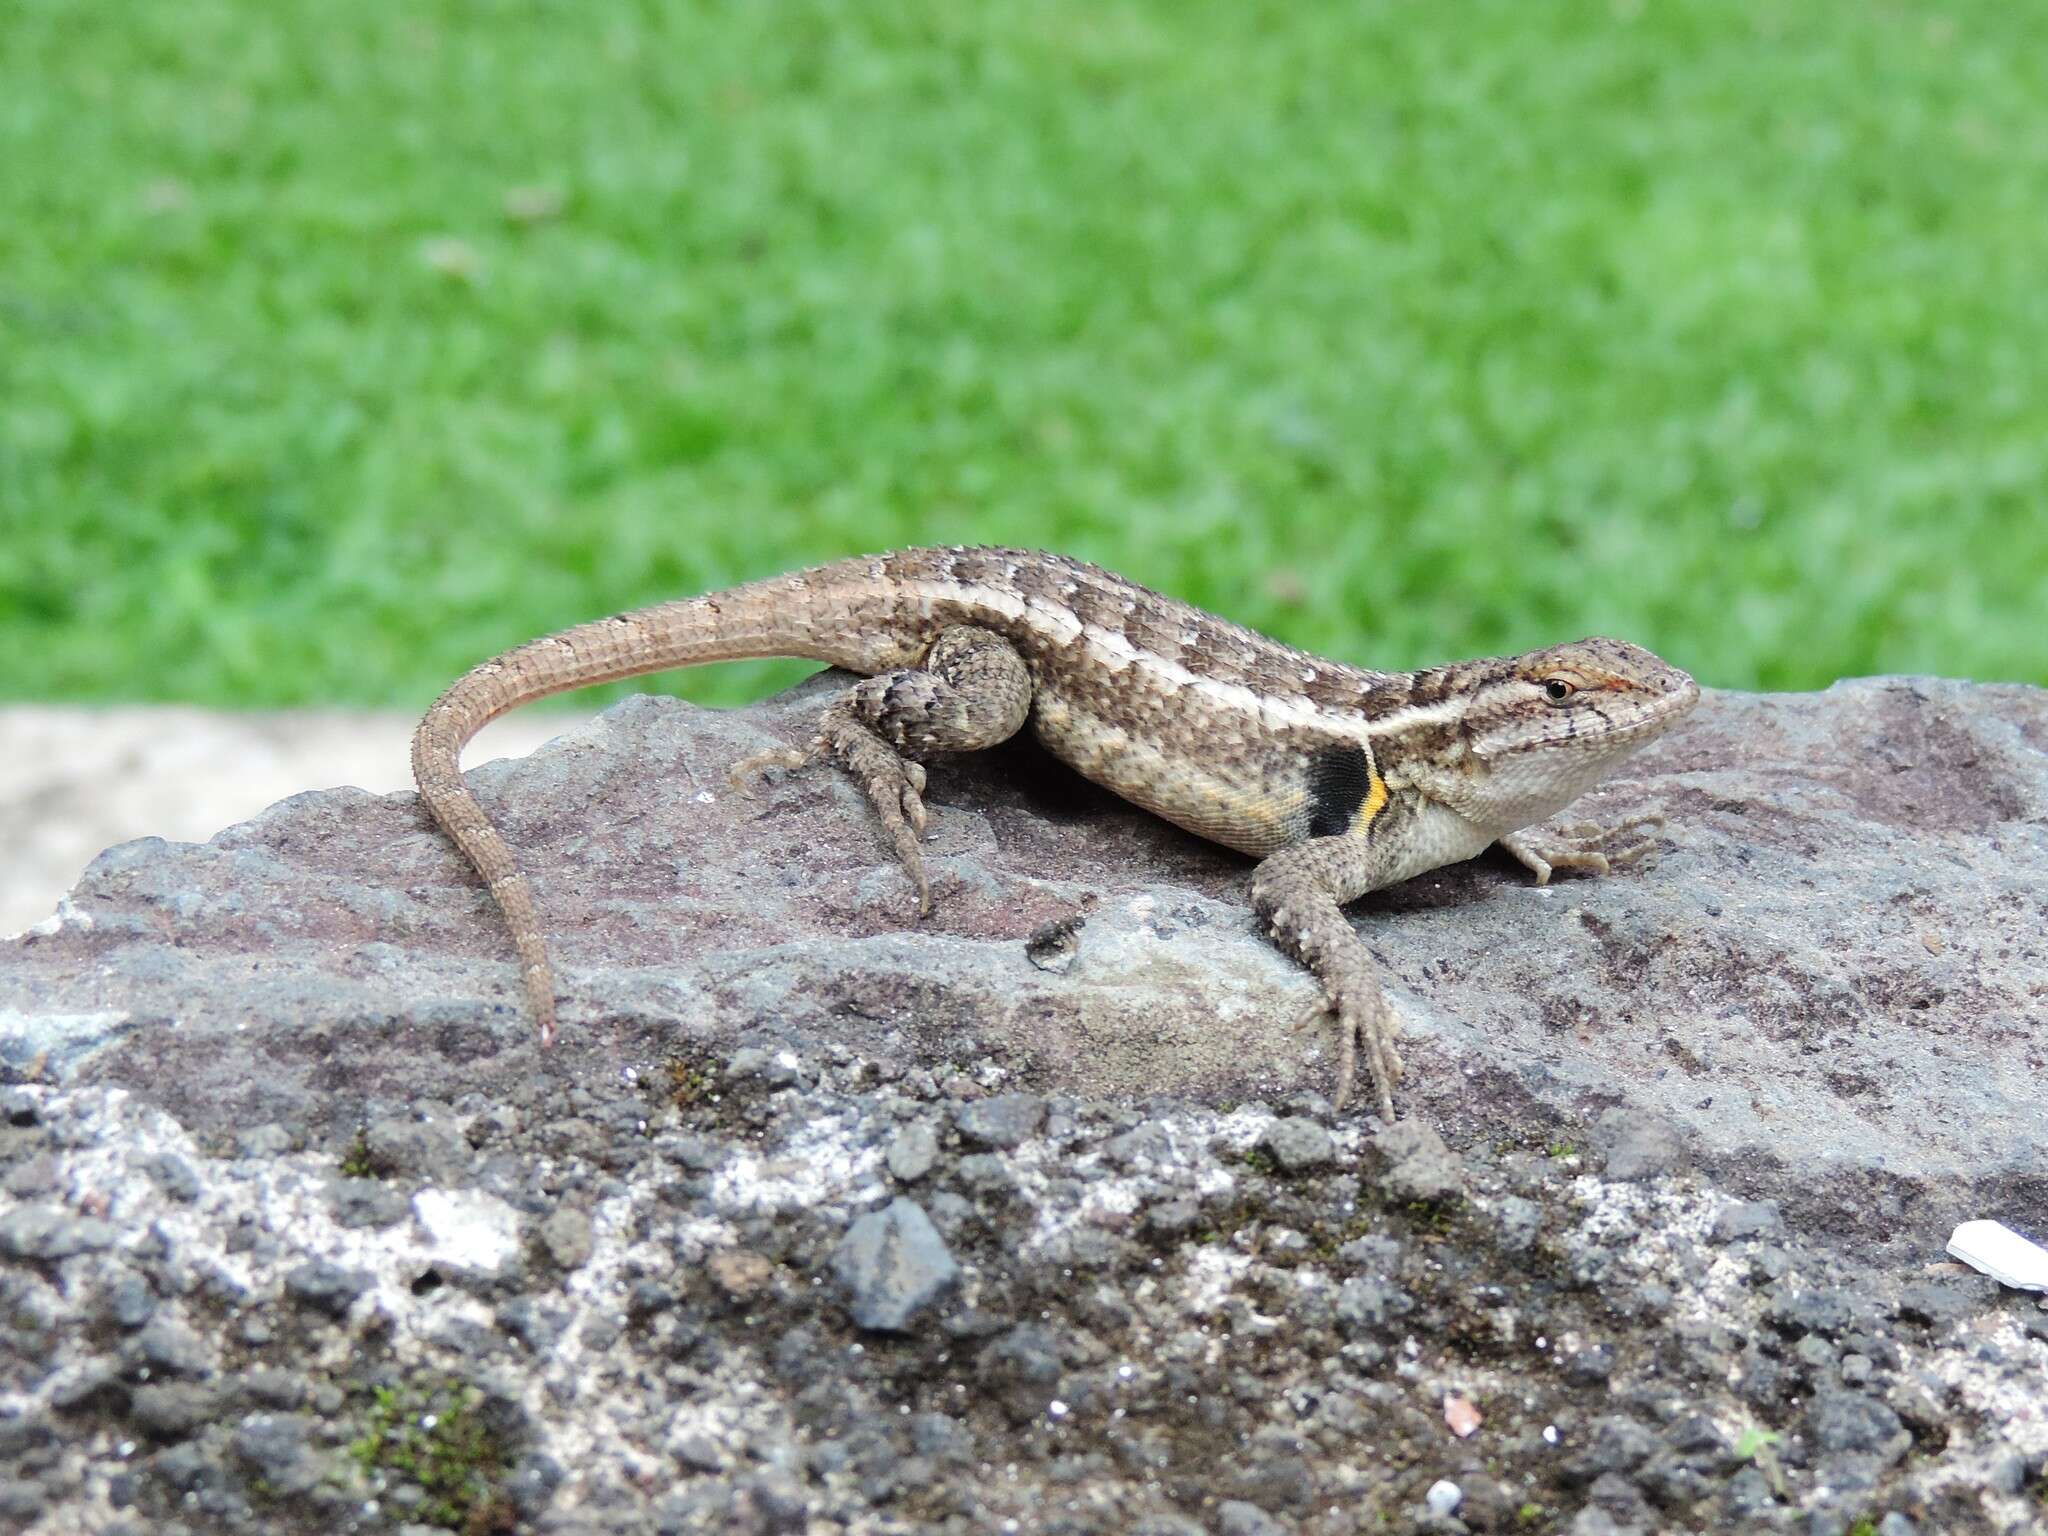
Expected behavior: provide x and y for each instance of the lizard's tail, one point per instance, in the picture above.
(782, 617)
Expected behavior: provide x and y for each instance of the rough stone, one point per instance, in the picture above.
(46, 1234)
(1823, 987)
(1298, 1144)
(1005, 1121)
(912, 1152)
(325, 1288)
(566, 1236)
(1749, 1218)
(1417, 1164)
(892, 1265)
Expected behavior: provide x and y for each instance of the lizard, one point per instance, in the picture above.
(1336, 779)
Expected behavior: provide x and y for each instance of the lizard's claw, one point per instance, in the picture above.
(894, 785)
(1585, 845)
(1371, 1028)
(745, 775)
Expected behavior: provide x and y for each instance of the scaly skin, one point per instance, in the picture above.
(1338, 779)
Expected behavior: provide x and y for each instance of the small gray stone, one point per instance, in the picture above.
(1234, 1517)
(1615, 1445)
(273, 1446)
(171, 1411)
(566, 1237)
(173, 1349)
(261, 1141)
(367, 1202)
(1896, 1524)
(1753, 1218)
(1366, 1305)
(1023, 1367)
(412, 1149)
(47, 1234)
(986, 1175)
(1637, 1145)
(1419, 1167)
(1298, 1143)
(129, 1302)
(21, 1501)
(325, 1287)
(2008, 1474)
(698, 1451)
(912, 1152)
(892, 1264)
(38, 1176)
(174, 1176)
(1855, 1423)
(274, 1388)
(1519, 1221)
(1939, 1304)
(1003, 1122)
(773, 1069)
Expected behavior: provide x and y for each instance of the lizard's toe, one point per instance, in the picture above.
(746, 774)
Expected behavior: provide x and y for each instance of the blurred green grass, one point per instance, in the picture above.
(343, 345)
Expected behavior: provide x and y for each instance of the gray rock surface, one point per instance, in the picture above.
(300, 1232)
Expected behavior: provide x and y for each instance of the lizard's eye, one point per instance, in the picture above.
(1558, 689)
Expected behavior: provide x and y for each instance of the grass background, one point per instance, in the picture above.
(344, 344)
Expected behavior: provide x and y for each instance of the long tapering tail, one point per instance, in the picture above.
(810, 615)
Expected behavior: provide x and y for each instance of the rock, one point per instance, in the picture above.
(274, 1448)
(1634, 1145)
(1942, 1304)
(129, 1302)
(1235, 1517)
(367, 1202)
(566, 1237)
(325, 1288)
(1804, 992)
(1298, 1144)
(912, 1152)
(173, 1349)
(892, 1265)
(1615, 1445)
(396, 1148)
(1418, 1167)
(1855, 1422)
(45, 1234)
(173, 1410)
(174, 1176)
(1749, 1218)
(1023, 1367)
(1367, 1306)
(1519, 1222)
(1005, 1121)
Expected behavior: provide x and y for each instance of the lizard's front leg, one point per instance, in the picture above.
(971, 691)
(1300, 892)
(1583, 845)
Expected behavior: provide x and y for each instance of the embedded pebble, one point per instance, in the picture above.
(892, 1265)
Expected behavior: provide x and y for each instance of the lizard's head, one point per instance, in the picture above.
(1547, 725)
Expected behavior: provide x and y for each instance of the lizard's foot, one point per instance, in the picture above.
(745, 775)
(1370, 1029)
(894, 786)
(1584, 845)
(893, 783)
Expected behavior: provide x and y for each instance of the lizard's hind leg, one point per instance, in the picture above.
(971, 691)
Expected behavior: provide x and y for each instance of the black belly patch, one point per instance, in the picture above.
(1339, 779)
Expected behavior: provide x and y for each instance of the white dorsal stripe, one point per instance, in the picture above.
(1116, 652)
